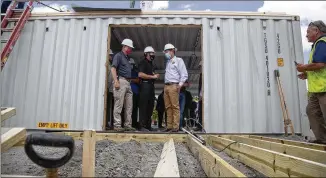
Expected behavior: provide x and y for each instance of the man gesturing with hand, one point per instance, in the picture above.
(175, 76)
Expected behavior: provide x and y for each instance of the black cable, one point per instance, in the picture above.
(49, 6)
(227, 146)
(196, 121)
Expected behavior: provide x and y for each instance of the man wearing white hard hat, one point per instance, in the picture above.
(147, 90)
(121, 75)
(109, 118)
(175, 76)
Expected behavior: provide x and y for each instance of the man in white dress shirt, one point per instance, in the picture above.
(175, 76)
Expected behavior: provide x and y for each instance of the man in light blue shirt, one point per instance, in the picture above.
(175, 76)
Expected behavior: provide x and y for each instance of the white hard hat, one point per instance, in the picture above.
(128, 42)
(169, 46)
(149, 49)
(111, 51)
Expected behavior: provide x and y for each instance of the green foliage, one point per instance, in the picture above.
(155, 116)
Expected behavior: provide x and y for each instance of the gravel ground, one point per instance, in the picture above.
(188, 165)
(15, 161)
(247, 171)
(128, 159)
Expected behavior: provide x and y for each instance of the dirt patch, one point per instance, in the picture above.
(244, 169)
(128, 159)
(188, 165)
(15, 161)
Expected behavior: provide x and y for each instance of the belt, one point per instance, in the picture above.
(171, 83)
(146, 81)
(127, 79)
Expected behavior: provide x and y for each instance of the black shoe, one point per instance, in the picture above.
(143, 130)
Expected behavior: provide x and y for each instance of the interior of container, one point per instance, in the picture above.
(186, 38)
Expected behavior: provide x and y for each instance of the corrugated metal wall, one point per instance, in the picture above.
(59, 75)
(239, 73)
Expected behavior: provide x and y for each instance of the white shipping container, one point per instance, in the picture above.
(56, 72)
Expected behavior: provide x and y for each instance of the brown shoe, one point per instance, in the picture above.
(175, 130)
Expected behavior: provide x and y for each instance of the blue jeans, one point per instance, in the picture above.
(182, 102)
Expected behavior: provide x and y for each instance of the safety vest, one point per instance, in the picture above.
(316, 79)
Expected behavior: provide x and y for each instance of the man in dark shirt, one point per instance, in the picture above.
(121, 75)
(147, 94)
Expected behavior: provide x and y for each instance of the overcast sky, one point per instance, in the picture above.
(308, 10)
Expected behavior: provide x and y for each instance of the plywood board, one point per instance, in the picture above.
(168, 164)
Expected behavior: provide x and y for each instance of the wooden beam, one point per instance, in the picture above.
(159, 53)
(212, 164)
(88, 163)
(161, 12)
(125, 137)
(270, 163)
(7, 113)
(300, 152)
(168, 165)
(11, 137)
(290, 142)
(6, 175)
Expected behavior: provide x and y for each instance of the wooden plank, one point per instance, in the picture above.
(12, 137)
(300, 152)
(290, 142)
(88, 163)
(270, 163)
(7, 113)
(212, 164)
(6, 175)
(168, 164)
(125, 137)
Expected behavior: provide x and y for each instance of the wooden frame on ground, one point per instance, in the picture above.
(268, 157)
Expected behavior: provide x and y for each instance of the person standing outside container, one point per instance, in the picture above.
(110, 99)
(135, 94)
(122, 93)
(147, 91)
(315, 73)
(175, 76)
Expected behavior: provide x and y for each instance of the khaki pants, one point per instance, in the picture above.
(316, 111)
(171, 101)
(122, 98)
